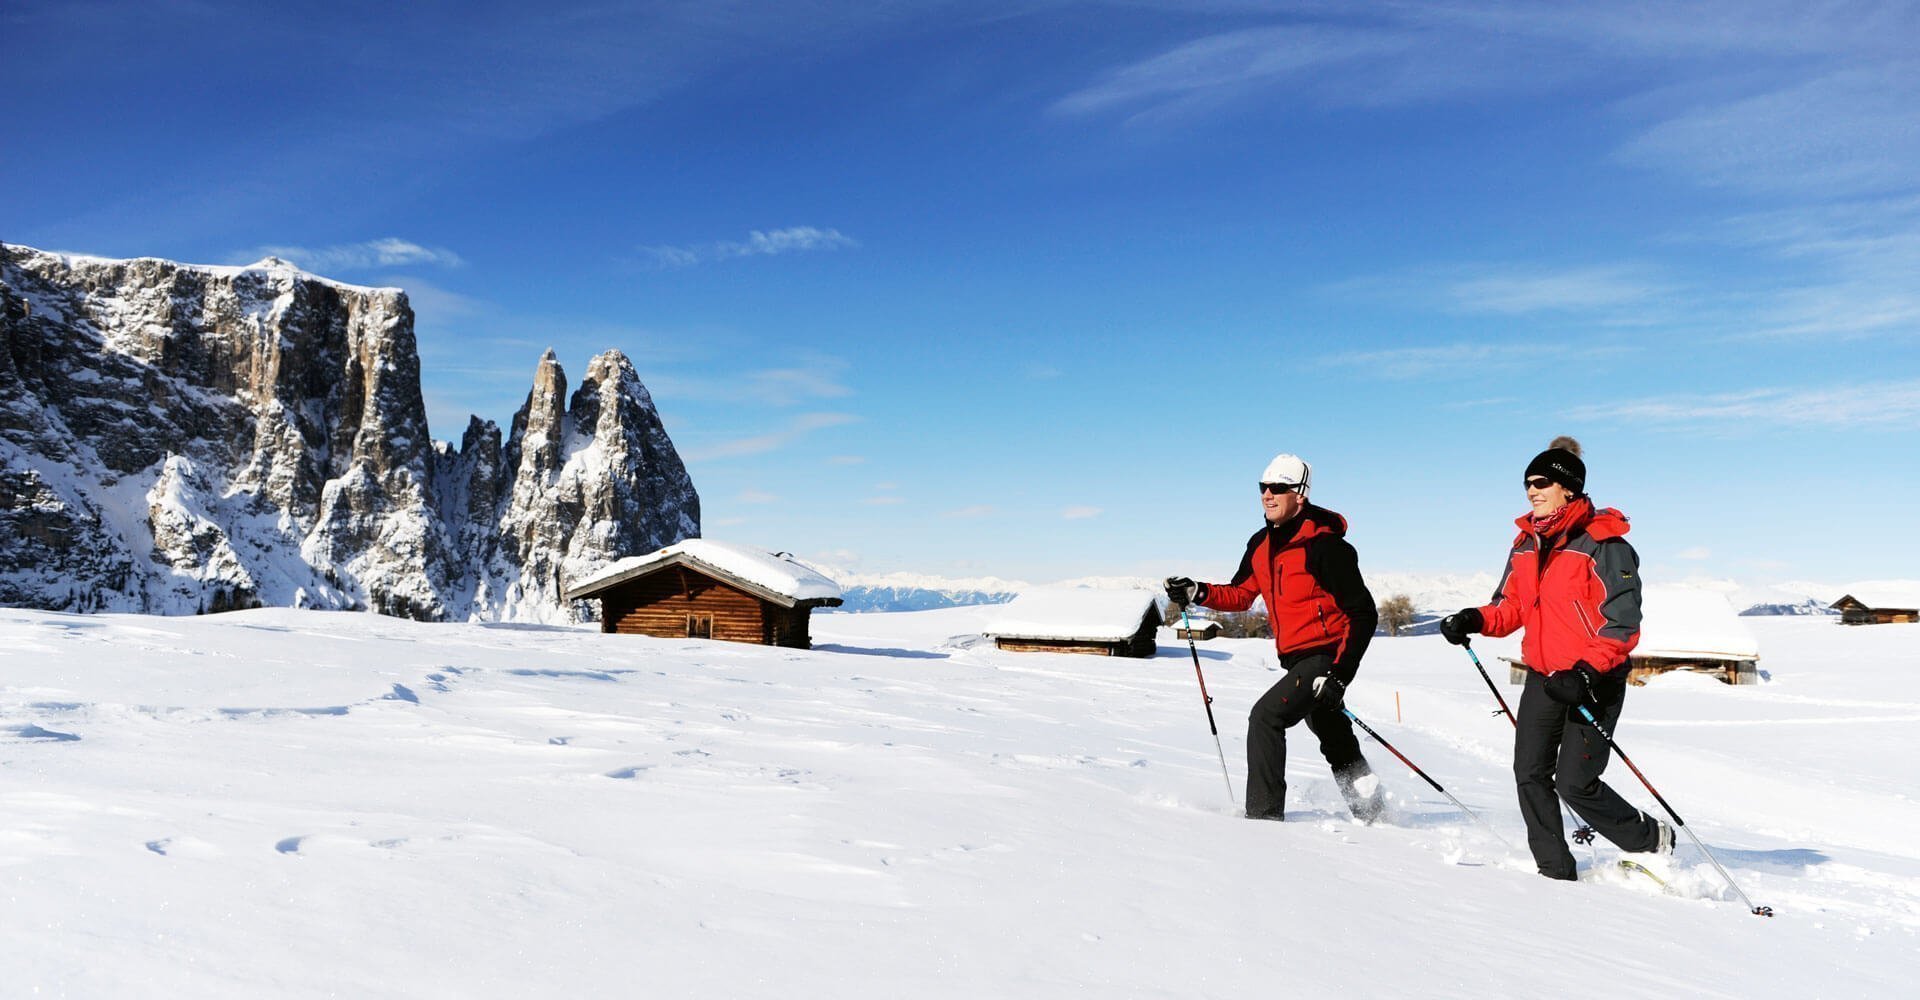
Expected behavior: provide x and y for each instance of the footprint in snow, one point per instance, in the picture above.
(33, 732)
(290, 845)
(629, 773)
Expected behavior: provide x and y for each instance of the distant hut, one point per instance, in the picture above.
(1880, 603)
(1195, 628)
(703, 589)
(1060, 620)
(1687, 629)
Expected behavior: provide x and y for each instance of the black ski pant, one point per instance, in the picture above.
(1284, 704)
(1556, 750)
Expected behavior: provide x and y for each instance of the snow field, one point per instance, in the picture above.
(301, 804)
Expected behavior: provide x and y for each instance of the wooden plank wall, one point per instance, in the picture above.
(1055, 646)
(658, 604)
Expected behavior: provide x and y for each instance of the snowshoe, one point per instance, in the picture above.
(1361, 788)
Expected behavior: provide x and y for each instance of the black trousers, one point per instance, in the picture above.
(1284, 704)
(1556, 750)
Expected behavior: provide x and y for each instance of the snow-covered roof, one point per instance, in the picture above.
(1683, 622)
(1073, 613)
(777, 575)
(1885, 593)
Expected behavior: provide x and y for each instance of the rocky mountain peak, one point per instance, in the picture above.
(180, 438)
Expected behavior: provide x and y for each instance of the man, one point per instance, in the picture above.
(1322, 618)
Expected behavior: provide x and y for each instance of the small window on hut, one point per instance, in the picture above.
(699, 626)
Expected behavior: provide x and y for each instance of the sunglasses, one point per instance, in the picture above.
(1539, 483)
(1279, 487)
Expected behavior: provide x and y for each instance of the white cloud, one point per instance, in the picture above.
(1577, 290)
(1695, 554)
(818, 379)
(389, 252)
(1081, 513)
(1857, 259)
(1872, 404)
(977, 510)
(756, 496)
(796, 428)
(759, 243)
(1448, 360)
(1224, 65)
(1846, 132)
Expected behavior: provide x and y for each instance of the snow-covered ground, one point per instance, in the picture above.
(291, 804)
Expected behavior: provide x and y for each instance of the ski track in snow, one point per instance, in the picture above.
(232, 805)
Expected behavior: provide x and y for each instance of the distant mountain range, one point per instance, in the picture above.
(1433, 594)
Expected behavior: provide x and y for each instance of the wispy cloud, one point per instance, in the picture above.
(756, 497)
(1848, 132)
(977, 510)
(1862, 405)
(1443, 360)
(768, 243)
(1227, 64)
(817, 379)
(1854, 262)
(1588, 290)
(1619, 294)
(796, 429)
(1081, 513)
(389, 252)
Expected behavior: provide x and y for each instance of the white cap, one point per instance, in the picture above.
(1290, 469)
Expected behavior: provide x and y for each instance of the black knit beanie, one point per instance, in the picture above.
(1562, 465)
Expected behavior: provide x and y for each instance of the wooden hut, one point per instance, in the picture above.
(1061, 620)
(1683, 628)
(1196, 628)
(1880, 604)
(702, 589)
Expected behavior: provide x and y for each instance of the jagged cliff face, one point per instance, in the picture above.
(179, 438)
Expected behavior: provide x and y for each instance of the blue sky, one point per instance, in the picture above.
(1035, 289)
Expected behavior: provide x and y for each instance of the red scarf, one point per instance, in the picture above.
(1577, 512)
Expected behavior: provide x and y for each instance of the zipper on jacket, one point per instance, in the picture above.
(1582, 612)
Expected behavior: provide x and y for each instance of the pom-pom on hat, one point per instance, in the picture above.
(1560, 463)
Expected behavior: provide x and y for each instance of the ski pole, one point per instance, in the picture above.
(1468, 646)
(1758, 911)
(1207, 699)
(1424, 776)
(1582, 833)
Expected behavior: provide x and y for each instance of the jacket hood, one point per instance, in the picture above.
(1314, 521)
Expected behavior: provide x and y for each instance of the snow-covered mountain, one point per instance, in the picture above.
(179, 438)
(865, 592)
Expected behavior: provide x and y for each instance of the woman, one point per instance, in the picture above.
(1573, 584)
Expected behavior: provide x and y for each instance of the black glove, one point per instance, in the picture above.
(1576, 685)
(1456, 627)
(1329, 692)
(1184, 592)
